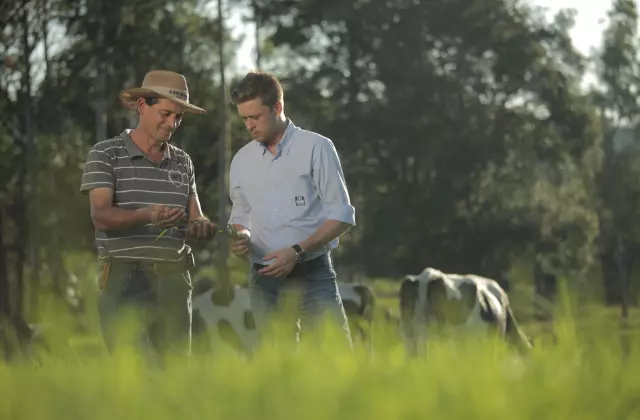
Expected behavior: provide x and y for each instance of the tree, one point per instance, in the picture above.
(616, 97)
(461, 125)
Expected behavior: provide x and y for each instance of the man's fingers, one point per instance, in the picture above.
(197, 231)
(174, 216)
(240, 251)
(206, 231)
(269, 270)
(240, 242)
(270, 257)
(169, 222)
(171, 211)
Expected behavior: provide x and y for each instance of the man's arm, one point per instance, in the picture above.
(206, 230)
(327, 232)
(99, 181)
(240, 217)
(194, 209)
(332, 188)
(106, 216)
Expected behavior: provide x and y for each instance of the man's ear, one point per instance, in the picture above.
(141, 102)
(277, 108)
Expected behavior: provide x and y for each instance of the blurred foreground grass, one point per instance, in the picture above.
(586, 375)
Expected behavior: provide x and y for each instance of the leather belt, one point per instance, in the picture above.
(156, 267)
(303, 268)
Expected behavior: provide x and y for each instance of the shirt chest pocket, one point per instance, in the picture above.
(298, 194)
(178, 185)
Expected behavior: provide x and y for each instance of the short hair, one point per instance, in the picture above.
(257, 84)
(151, 101)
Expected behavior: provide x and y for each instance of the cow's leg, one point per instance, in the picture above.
(408, 301)
(514, 334)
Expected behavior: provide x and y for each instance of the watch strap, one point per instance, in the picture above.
(299, 251)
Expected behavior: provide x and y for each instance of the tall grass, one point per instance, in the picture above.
(586, 375)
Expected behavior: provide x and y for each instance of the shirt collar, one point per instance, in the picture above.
(134, 151)
(285, 143)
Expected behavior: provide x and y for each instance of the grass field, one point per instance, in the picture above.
(588, 374)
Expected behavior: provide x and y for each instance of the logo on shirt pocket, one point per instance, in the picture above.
(300, 200)
(176, 177)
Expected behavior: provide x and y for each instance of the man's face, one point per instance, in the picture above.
(161, 119)
(260, 120)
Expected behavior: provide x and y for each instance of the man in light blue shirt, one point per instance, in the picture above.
(291, 204)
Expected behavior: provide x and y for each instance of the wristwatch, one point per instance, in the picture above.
(300, 253)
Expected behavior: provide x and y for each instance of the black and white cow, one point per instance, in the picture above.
(223, 316)
(358, 302)
(433, 300)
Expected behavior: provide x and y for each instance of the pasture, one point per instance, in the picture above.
(588, 372)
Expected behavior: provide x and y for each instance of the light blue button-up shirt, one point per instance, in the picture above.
(285, 198)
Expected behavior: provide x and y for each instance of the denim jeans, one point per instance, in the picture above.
(313, 286)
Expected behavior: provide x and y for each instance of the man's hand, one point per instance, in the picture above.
(241, 245)
(165, 217)
(285, 260)
(201, 230)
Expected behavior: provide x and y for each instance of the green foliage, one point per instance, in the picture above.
(462, 123)
(583, 376)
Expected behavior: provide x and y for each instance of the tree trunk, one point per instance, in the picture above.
(257, 19)
(5, 303)
(100, 105)
(224, 156)
(546, 286)
(625, 266)
(28, 246)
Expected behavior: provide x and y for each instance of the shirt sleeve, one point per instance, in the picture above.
(98, 171)
(331, 184)
(240, 208)
(191, 172)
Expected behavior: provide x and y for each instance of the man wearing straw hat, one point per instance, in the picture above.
(144, 205)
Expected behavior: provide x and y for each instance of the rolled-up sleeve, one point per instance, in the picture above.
(240, 209)
(98, 171)
(331, 184)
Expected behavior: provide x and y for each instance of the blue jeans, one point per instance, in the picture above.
(312, 284)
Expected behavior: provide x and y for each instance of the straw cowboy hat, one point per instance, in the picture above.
(161, 84)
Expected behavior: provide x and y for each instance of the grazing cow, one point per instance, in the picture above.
(226, 314)
(223, 316)
(433, 300)
(358, 302)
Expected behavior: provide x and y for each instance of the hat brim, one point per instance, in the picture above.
(129, 98)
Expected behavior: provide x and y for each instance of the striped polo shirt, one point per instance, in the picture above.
(138, 182)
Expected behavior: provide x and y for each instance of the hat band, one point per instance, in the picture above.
(163, 90)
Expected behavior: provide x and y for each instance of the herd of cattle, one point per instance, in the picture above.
(429, 303)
